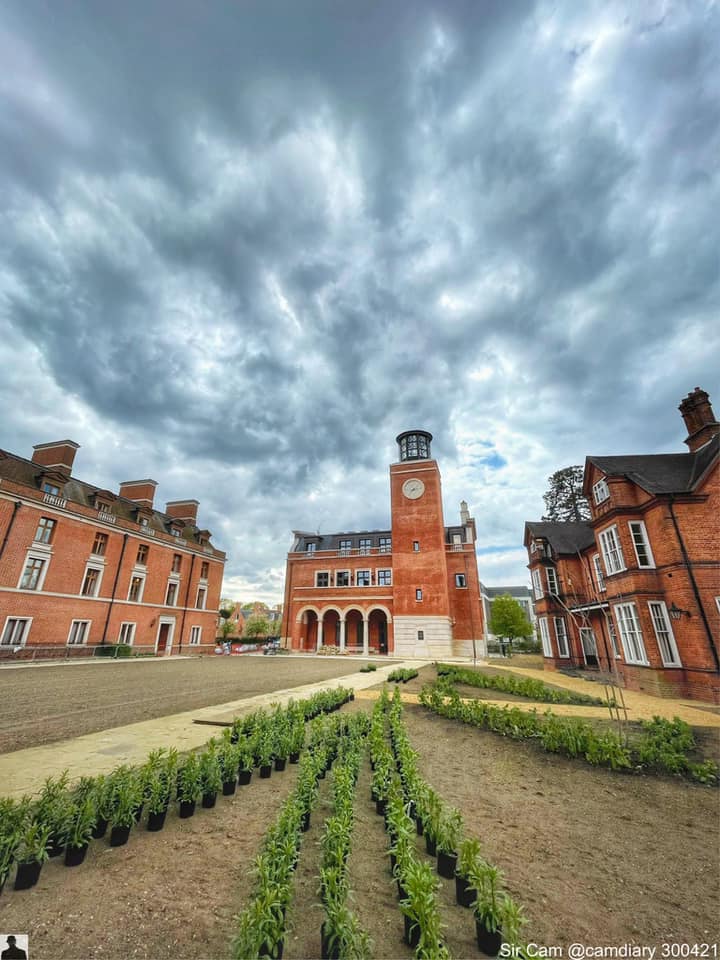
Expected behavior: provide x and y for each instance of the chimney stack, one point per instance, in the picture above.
(699, 419)
(185, 510)
(464, 512)
(141, 492)
(56, 456)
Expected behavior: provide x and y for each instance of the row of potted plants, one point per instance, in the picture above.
(657, 750)
(261, 928)
(341, 936)
(402, 675)
(478, 884)
(519, 686)
(66, 818)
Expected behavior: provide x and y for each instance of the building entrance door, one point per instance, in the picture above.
(163, 637)
(587, 638)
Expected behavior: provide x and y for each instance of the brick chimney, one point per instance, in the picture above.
(141, 492)
(699, 419)
(185, 510)
(56, 456)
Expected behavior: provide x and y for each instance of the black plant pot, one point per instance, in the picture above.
(27, 875)
(119, 836)
(393, 861)
(74, 856)
(266, 951)
(244, 777)
(55, 848)
(380, 807)
(229, 787)
(138, 813)
(373, 794)
(446, 864)
(419, 826)
(187, 809)
(321, 775)
(208, 800)
(412, 933)
(488, 942)
(295, 756)
(100, 829)
(305, 822)
(402, 892)
(156, 821)
(464, 893)
(265, 771)
(280, 764)
(430, 845)
(326, 951)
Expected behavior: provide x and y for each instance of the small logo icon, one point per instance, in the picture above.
(14, 946)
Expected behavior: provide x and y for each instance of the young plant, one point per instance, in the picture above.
(32, 842)
(189, 787)
(127, 796)
(210, 771)
(81, 823)
(486, 881)
(421, 908)
(450, 831)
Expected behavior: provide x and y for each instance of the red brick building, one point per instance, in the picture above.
(410, 590)
(81, 566)
(636, 591)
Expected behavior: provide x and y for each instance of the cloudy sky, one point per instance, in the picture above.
(245, 244)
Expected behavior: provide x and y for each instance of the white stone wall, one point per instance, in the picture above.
(436, 643)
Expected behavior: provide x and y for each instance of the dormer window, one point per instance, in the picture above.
(310, 547)
(601, 491)
(51, 489)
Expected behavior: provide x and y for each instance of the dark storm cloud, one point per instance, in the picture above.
(255, 241)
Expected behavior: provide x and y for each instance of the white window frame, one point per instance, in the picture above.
(553, 588)
(35, 554)
(612, 551)
(345, 548)
(105, 541)
(383, 570)
(126, 633)
(172, 581)
(630, 631)
(613, 638)
(599, 578)
(48, 532)
(339, 573)
(418, 594)
(601, 491)
(74, 624)
(136, 575)
(644, 542)
(195, 635)
(369, 578)
(146, 553)
(100, 569)
(664, 634)
(310, 547)
(385, 545)
(364, 546)
(461, 581)
(545, 636)
(561, 637)
(198, 605)
(322, 573)
(537, 584)
(17, 641)
(416, 546)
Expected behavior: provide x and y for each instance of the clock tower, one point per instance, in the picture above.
(421, 602)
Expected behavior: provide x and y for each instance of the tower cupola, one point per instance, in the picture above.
(414, 445)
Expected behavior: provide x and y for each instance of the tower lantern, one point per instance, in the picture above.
(414, 445)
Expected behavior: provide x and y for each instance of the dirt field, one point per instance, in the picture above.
(594, 857)
(45, 704)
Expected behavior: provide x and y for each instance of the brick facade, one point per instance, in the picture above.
(410, 590)
(637, 589)
(81, 567)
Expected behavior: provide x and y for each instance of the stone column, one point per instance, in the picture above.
(366, 637)
(319, 634)
(342, 634)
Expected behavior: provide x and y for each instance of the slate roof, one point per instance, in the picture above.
(331, 541)
(514, 591)
(662, 472)
(565, 536)
(25, 472)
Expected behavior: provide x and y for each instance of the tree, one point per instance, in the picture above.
(564, 500)
(507, 618)
(257, 627)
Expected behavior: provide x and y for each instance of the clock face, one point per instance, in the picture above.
(413, 489)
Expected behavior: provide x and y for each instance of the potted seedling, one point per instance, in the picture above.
(228, 757)
(341, 935)
(432, 819)
(512, 920)
(210, 776)
(245, 763)
(265, 754)
(103, 793)
(448, 841)
(189, 785)
(468, 861)
(52, 808)
(78, 831)
(159, 790)
(423, 929)
(281, 750)
(486, 882)
(127, 797)
(31, 853)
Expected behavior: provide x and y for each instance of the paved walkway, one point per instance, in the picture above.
(23, 771)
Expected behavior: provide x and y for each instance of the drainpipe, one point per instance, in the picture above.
(112, 595)
(16, 507)
(688, 567)
(187, 596)
(286, 608)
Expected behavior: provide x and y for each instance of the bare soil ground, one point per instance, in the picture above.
(45, 704)
(594, 857)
